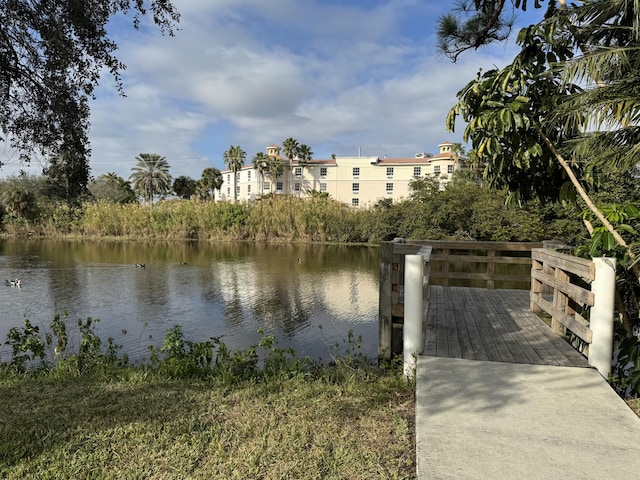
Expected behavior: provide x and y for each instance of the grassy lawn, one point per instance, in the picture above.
(137, 426)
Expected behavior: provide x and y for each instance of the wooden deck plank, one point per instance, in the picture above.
(494, 325)
(477, 346)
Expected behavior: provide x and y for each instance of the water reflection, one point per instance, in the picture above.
(228, 290)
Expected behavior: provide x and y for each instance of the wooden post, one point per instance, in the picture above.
(536, 287)
(560, 301)
(602, 314)
(385, 303)
(491, 269)
(413, 312)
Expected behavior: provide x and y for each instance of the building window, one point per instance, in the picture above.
(296, 187)
(355, 202)
(417, 171)
(389, 187)
(298, 172)
(228, 178)
(449, 169)
(389, 172)
(436, 169)
(355, 188)
(323, 172)
(279, 187)
(228, 191)
(356, 172)
(237, 190)
(323, 187)
(237, 176)
(249, 176)
(249, 189)
(266, 186)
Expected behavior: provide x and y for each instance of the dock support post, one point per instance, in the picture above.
(602, 315)
(413, 312)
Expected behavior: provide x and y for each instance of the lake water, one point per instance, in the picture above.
(227, 290)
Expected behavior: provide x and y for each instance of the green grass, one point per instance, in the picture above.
(137, 425)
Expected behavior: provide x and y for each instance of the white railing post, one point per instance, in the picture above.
(413, 312)
(602, 315)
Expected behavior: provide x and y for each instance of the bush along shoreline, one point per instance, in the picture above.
(198, 410)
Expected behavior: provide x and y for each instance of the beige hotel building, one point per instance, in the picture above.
(359, 181)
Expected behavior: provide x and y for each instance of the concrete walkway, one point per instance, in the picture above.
(491, 420)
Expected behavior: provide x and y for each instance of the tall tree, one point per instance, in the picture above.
(113, 188)
(234, 160)
(185, 187)
(52, 55)
(473, 23)
(211, 180)
(275, 168)
(305, 155)
(290, 148)
(260, 163)
(67, 175)
(537, 129)
(151, 176)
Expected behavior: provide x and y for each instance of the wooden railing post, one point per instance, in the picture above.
(536, 286)
(413, 312)
(491, 269)
(385, 325)
(602, 315)
(560, 301)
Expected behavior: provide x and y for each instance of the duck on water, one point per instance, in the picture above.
(13, 283)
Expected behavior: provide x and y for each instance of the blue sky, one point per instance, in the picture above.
(341, 76)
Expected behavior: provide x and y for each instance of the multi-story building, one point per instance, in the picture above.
(358, 181)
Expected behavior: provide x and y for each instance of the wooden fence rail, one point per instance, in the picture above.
(578, 294)
(464, 263)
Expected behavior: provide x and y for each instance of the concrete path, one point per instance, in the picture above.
(491, 420)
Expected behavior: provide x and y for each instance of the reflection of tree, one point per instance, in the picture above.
(281, 307)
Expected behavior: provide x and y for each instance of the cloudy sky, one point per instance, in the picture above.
(342, 76)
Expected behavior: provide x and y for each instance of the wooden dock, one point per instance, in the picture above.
(498, 394)
(493, 325)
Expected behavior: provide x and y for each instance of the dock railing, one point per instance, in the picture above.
(578, 294)
(464, 263)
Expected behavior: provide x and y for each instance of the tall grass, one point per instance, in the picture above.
(272, 218)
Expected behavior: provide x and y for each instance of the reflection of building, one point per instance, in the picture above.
(358, 181)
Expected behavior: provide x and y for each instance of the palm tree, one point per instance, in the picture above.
(275, 168)
(259, 162)
(234, 160)
(19, 202)
(151, 176)
(211, 180)
(305, 155)
(290, 149)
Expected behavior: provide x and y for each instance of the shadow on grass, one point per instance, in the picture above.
(40, 416)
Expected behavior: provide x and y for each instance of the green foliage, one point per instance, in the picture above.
(68, 175)
(234, 160)
(19, 203)
(26, 346)
(54, 55)
(625, 377)
(211, 181)
(185, 187)
(111, 188)
(151, 176)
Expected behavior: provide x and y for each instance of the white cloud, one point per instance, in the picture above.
(335, 75)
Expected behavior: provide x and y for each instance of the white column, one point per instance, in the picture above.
(413, 310)
(602, 315)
